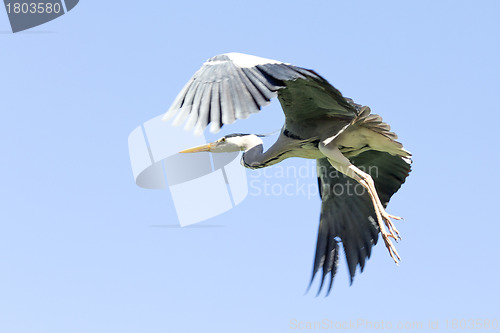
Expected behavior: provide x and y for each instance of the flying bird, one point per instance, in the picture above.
(351, 147)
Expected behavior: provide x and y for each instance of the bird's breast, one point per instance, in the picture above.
(309, 150)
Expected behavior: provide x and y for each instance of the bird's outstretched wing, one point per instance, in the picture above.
(347, 213)
(232, 86)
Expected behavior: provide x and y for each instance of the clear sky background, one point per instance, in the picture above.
(83, 249)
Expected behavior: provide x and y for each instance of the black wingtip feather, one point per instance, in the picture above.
(333, 269)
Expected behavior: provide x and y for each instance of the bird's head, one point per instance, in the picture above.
(227, 144)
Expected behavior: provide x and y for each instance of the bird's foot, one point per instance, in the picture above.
(393, 232)
(392, 250)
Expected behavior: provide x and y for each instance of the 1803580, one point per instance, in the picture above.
(33, 8)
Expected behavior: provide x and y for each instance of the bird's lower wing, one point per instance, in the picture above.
(232, 86)
(347, 214)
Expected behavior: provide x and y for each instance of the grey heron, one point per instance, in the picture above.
(349, 143)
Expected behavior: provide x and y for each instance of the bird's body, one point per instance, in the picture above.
(351, 146)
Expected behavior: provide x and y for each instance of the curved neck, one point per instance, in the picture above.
(254, 156)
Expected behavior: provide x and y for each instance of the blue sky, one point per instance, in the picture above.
(82, 248)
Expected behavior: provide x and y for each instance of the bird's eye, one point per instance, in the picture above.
(223, 140)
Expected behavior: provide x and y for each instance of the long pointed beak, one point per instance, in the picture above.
(198, 149)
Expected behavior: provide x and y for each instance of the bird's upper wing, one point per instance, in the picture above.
(347, 213)
(232, 86)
